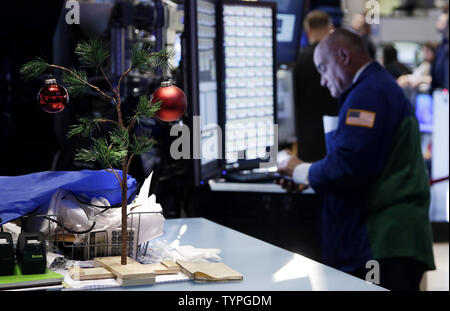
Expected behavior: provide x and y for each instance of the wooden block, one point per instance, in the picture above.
(160, 268)
(170, 265)
(81, 274)
(132, 270)
(107, 261)
(135, 282)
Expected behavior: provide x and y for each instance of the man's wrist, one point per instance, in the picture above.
(300, 174)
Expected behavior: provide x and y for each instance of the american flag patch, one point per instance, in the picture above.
(363, 118)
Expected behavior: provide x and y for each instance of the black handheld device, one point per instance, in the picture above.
(7, 259)
(31, 253)
(279, 176)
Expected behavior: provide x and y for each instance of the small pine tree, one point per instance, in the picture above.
(121, 146)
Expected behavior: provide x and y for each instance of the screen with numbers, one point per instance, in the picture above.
(249, 79)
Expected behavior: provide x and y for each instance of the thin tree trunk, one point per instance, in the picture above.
(123, 260)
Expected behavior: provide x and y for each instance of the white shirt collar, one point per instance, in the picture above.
(360, 71)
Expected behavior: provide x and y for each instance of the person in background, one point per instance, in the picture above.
(372, 181)
(392, 64)
(440, 67)
(362, 28)
(312, 101)
(422, 74)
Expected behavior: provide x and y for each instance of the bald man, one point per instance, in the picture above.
(373, 180)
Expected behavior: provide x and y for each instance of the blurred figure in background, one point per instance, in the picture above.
(439, 70)
(391, 63)
(312, 101)
(362, 28)
(422, 74)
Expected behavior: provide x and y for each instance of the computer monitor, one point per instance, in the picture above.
(285, 107)
(424, 112)
(177, 49)
(247, 72)
(408, 53)
(439, 211)
(289, 29)
(202, 83)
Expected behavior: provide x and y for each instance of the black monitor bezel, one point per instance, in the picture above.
(200, 172)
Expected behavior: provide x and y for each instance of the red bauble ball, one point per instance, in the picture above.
(173, 102)
(53, 97)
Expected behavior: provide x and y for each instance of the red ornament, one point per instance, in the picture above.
(53, 97)
(173, 102)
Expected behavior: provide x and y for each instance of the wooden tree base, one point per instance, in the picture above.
(135, 273)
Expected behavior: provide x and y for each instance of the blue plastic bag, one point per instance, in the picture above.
(21, 195)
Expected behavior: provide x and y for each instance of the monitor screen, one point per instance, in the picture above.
(285, 107)
(439, 210)
(208, 103)
(177, 49)
(250, 83)
(289, 28)
(424, 112)
(408, 53)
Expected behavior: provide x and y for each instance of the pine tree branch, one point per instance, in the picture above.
(82, 80)
(112, 170)
(36, 67)
(92, 53)
(87, 125)
(120, 138)
(139, 57)
(141, 144)
(107, 155)
(33, 69)
(124, 74)
(131, 124)
(108, 81)
(129, 161)
(161, 59)
(142, 58)
(75, 87)
(119, 99)
(110, 121)
(143, 110)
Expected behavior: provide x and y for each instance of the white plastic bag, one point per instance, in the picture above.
(78, 216)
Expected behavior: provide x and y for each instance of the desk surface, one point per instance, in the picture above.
(265, 267)
(222, 185)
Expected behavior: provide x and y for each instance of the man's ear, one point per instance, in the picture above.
(344, 56)
(308, 34)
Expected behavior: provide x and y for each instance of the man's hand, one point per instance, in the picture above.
(290, 186)
(403, 81)
(286, 168)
